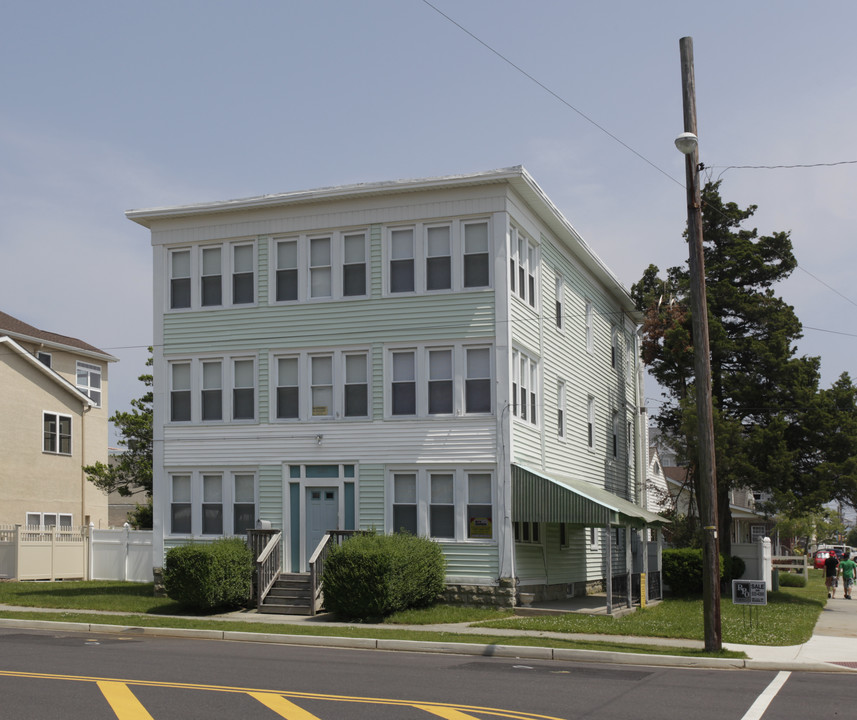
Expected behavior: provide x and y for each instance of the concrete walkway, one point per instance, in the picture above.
(832, 647)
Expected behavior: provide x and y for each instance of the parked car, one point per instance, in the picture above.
(820, 557)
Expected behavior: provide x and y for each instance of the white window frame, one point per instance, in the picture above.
(588, 312)
(235, 388)
(631, 355)
(173, 278)
(207, 250)
(594, 538)
(561, 412)
(304, 368)
(458, 251)
(57, 435)
(304, 268)
(44, 357)
(559, 302)
(526, 388)
(460, 379)
(41, 526)
(461, 500)
(171, 365)
(590, 422)
(228, 270)
(614, 436)
(92, 390)
(615, 352)
(527, 533)
(524, 267)
(228, 502)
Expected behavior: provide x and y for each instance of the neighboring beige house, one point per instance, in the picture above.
(53, 421)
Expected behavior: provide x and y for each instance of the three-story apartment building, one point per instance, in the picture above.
(445, 357)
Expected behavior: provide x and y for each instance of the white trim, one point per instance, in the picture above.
(48, 372)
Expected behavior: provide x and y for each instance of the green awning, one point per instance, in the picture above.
(552, 497)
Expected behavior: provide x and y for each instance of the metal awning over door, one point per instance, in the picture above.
(552, 497)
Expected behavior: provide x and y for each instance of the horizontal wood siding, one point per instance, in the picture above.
(271, 501)
(530, 564)
(371, 497)
(565, 564)
(472, 560)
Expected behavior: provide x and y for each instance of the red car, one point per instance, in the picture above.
(820, 557)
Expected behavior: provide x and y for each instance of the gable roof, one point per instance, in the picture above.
(45, 370)
(20, 330)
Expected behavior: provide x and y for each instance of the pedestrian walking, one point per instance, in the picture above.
(831, 569)
(848, 568)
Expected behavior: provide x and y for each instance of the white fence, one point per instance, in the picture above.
(34, 553)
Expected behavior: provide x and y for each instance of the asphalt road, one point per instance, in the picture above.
(78, 676)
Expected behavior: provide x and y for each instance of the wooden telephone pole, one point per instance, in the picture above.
(707, 476)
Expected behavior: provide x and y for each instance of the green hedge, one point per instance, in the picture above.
(372, 576)
(682, 568)
(214, 575)
(788, 579)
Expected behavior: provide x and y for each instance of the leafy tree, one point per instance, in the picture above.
(851, 538)
(132, 471)
(816, 526)
(760, 387)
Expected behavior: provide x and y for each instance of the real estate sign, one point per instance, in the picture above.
(749, 592)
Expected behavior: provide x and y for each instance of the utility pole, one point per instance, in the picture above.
(707, 476)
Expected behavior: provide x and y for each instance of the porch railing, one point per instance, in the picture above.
(316, 563)
(265, 545)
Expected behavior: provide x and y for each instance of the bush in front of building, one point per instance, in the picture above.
(371, 576)
(203, 577)
(788, 579)
(682, 568)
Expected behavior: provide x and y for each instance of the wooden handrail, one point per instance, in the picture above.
(268, 562)
(316, 563)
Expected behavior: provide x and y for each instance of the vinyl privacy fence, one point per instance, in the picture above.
(64, 553)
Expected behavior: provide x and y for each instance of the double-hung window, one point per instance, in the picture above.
(287, 270)
(587, 319)
(325, 267)
(320, 269)
(56, 433)
(321, 380)
(477, 383)
(614, 435)
(212, 504)
(180, 505)
(179, 279)
(353, 265)
(560, 410)
(89, 381)
(405, 503)
(180, 391)
(243, 290)
(402, 260)
(438, 258)
(476, 255)
(356, 385)
(212, 390)
(288, 388)
(480, 514)
(243, 503)
(440, 382)
(590, 422)
(404, 385)
(442, 508)
(558, 301)
(243, 390)
(524, 387)
(523, 265)
(211, 284)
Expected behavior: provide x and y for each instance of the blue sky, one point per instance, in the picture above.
(110, 105)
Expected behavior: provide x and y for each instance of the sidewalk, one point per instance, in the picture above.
(832, 647)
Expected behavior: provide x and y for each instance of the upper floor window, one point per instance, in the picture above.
(560, 410)
(590, 422)
(587, 319)
(180, 391)
(524, 387)
(212, 390)
(197, 389)
(614, 349)
(200, 277)
(630, 365)
(614, 435)
(243, 389)
(335, 384)
(558, 301)
(432, 257)
(89, 381)
(44, 358)
(330, 266)
(56, 436)
(523, 266)
(440, 381)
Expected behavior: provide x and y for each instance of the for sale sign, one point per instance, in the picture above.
(749, 592)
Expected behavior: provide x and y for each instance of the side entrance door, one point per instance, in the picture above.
(322, 514)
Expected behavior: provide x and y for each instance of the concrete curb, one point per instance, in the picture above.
(475, 649)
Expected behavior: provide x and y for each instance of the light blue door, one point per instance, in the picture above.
(322, 514)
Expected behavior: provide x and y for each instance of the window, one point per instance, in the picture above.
(523, 265)
(44, 358)
(630, 440)
(287, 270)
(180, 506)
(527, 532)
(593, 538)
(478, 381)
(524, 387)
(631, 345)
(405, 503)
(354, 265)
(48, 520)
(560, 410)
(588, 326)
(212, 505)
(288, 388)
(558, 301)
(242, 274)
(244, 505)
(321, 371)
(212, 277)
(476, 264)
(89, 381)
(442, 503)
(438, 258)
(442, 510)
(356, 386)
(428, 381)
(179, 279)
(320, 275)
(614, 349)
(212, 390)
(404, 386)
(180, 392)
(563, 535)
(479, 506)
(243, 390)
(402, 260)
(590, 422)
(440, 382)
(614, 436)
(56, 433)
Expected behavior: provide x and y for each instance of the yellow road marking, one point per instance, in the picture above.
(122, 700)
(281, 706)
(431, 706)
(445, 712)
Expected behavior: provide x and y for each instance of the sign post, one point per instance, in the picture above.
(750, 592)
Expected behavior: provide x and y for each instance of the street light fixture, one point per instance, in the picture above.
(687, 142)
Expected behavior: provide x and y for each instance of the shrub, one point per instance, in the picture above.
(371, 576)
(682, 569)
(738, 567)
(788, 579)
(204, 577)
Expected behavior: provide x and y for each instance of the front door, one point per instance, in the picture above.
(322, 514)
